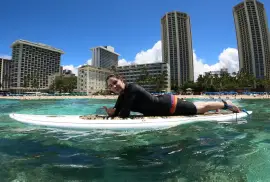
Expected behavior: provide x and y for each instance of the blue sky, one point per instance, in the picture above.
(129, 26)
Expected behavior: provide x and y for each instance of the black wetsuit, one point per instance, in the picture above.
(137, 99)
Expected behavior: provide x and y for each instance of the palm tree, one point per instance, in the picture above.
(70, 83)
(175, 87)
(59, 84)
(200, 82)
(52, 87)
(144, 77)
(265, 83)
(215, 81)
(208, 81)
(34, 80)
(35, 83)
(159, 81)
(225, 81)
(113, 68)
(245, 79)
(26, 81)
(6, 81)
(163, 79)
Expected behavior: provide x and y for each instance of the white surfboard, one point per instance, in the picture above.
(137, 123)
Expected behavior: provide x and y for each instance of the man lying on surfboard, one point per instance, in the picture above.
(133, 97)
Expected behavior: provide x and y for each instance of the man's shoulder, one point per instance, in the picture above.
(134, 86)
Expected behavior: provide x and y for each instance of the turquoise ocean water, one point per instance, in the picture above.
(208, 151)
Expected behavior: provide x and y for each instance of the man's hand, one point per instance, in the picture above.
(110, 111)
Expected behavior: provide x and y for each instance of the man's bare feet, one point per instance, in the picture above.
(232, 107)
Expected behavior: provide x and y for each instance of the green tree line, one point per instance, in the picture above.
(63, 84)
(226, 82)
(31, 81)
(159, 80)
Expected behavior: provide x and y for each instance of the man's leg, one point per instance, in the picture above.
(203, 107)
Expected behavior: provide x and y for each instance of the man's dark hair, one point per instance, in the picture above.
(115, 76)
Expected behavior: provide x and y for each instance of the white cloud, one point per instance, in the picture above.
(5, 56)
(123, 62)
(89, 62)
(227, 59)
(74, 69)
(152, 55)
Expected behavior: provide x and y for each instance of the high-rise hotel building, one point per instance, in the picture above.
(33, 61)
(252, 38)
(177, 46)
(132, 73)
(104, 57)
(4, 73)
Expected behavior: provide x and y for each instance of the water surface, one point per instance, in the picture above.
(206, 151)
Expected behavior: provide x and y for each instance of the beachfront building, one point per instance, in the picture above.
(218, 73)
(92, 79)
(133, 73)
(252, 38)
(67, 73)
(4, 73)
(104, 57)
(64, 73)
(177, 46)
(31, 65)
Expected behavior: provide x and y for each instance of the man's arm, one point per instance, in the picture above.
(128, 100)
(118, 104)
(127, 104)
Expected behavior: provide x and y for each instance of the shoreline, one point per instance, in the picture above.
(230, 97)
